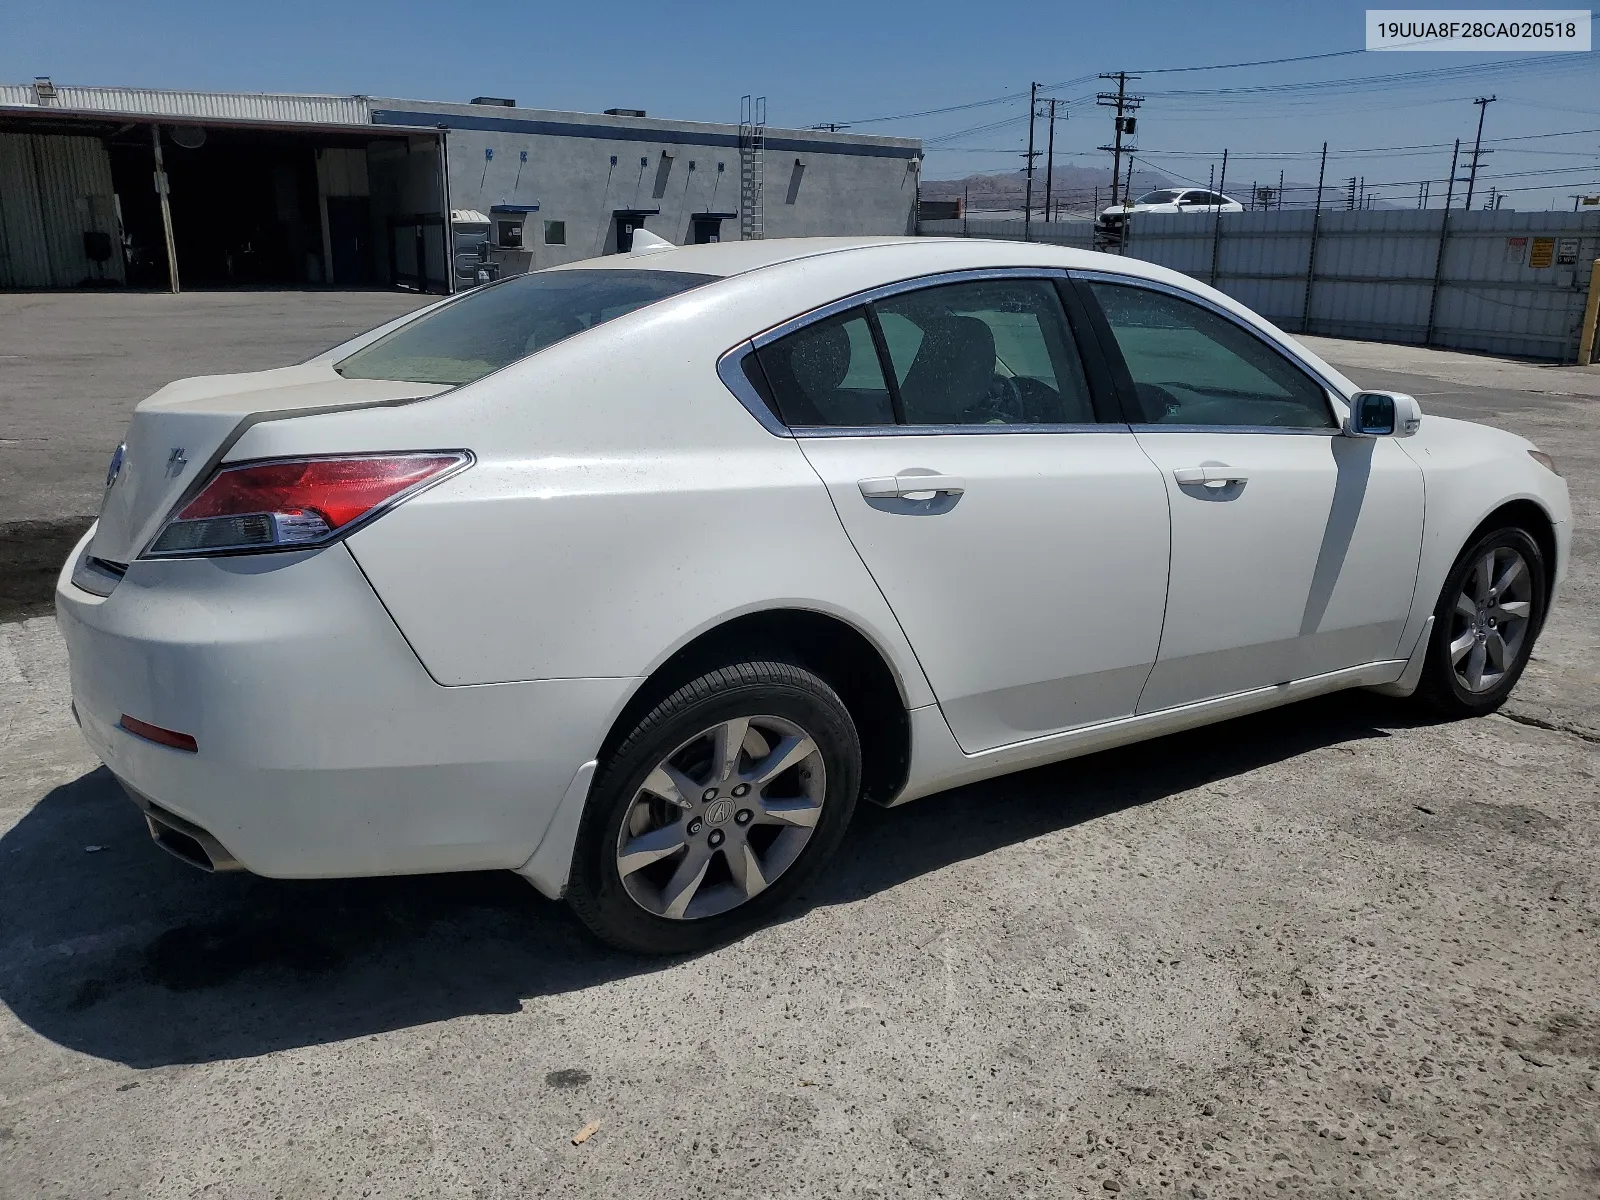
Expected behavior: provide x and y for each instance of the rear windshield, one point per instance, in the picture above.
(1157, 198)
(499, 324)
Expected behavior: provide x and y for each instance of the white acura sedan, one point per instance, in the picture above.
(634, 576)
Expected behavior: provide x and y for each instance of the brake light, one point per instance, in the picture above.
(287, 504)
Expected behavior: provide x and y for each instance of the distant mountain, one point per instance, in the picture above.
(1074, 191)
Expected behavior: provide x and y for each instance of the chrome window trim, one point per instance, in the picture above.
(974, 275)
(730, 365)
(1330, 392)
(825, 431)
(1300, 430)
(730, 369)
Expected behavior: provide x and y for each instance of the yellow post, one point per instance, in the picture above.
(1589, 339)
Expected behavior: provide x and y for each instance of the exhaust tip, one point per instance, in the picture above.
(183, 839)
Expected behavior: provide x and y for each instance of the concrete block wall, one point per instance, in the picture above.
(817, 183)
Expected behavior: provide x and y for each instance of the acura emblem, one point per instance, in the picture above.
(115, 468)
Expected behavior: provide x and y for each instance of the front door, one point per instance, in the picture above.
(625, 229)
(1022, 546)
(1294, 549)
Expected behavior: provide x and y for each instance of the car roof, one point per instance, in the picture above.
(910, 255)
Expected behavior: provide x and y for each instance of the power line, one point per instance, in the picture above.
(1260, 62)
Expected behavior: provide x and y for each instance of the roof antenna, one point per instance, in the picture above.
(645, 242)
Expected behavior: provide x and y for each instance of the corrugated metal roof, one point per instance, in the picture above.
(230, 106)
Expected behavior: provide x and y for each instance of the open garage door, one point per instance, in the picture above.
(58, 212)
(408, 206)
(98, 198)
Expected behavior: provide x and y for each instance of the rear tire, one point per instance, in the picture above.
(1484, 626)
(715, 809)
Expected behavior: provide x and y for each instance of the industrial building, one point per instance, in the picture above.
(141, 188)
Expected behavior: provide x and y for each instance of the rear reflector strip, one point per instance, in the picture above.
(158, 735)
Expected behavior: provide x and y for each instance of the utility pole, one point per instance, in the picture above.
(1050, 161)
(1311, 257)
(1027, 199)
(1444, 241)
(1483, 103)
(1280, 190)
(1216, 231)
(1125, 123)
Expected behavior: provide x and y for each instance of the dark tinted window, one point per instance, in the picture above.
(1191, 366)
(828, 374)
(994, 352)
(1165, 197)
(497, 325)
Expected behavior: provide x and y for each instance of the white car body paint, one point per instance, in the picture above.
(433, 692)
(1000, 588)
(1315, 552)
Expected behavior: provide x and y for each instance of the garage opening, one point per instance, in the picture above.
(247, 206)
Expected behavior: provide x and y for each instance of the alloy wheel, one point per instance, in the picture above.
(1489, 621)
(718, 820)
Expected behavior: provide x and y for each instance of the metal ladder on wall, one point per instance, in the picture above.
(752, 167)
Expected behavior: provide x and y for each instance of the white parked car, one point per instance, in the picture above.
(634, 576)
(1169, 200)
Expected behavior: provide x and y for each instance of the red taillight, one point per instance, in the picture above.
(162, 737)
(297, 503)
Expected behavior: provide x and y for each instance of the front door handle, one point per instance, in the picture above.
(906, 484)
(1215, 475)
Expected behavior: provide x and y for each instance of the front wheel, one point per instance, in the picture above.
(1484, 627)
(715, 809)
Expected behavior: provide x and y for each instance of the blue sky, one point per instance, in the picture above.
(836, 61)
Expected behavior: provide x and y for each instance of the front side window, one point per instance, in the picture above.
(495, 326)
(828, 373)
(990, 352)
(555, 233)
(1192, 366)
(1163, 197)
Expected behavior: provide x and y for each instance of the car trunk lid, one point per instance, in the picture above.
(179, 435)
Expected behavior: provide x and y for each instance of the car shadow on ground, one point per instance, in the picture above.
(110, 947)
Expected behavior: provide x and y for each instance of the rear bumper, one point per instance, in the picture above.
(324, 748)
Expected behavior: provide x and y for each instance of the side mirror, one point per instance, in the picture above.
(1382, 414)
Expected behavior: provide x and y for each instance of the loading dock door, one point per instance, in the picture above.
(706, 227)
(625, 227)
(627, 222)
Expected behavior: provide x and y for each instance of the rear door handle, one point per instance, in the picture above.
(896, 487)
(1214, 476)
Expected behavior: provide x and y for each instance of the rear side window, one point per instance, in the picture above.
(988, 352)
(995, 352)
(500, 324)
(828, 374)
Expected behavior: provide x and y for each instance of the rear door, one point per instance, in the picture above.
(1294, 549)
(1021, 541)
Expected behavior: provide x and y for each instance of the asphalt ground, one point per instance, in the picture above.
(1336, 950)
